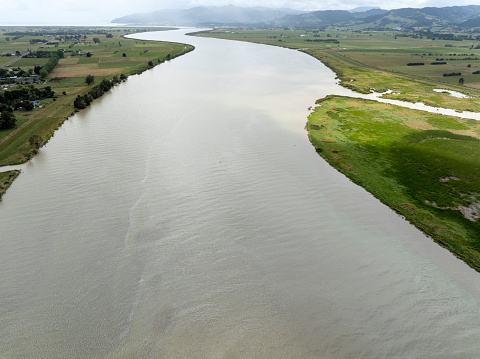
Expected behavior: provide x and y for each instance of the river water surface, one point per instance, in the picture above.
(186, 215)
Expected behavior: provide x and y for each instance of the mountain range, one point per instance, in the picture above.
(207, 15)
(459, 17)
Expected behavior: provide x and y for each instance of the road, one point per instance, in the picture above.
(19, 57)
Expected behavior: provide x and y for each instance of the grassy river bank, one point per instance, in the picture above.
(103, 53)
(424, 166)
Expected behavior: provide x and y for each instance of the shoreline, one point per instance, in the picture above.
(60, 111)
(439, 222)
(380, 161)
(6, 180)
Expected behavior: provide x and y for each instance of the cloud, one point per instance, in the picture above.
(89, 11)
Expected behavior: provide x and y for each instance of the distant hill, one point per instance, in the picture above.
(360, 18)
(204, 15)
(453, 16)
(474, 22)
(365, 9)
(317, 18)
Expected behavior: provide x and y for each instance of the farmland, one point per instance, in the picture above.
(103, 53)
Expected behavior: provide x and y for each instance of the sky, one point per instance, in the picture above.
(100, 12)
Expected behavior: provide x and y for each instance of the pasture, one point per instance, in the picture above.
(424, 166)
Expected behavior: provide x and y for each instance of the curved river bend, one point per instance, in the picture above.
(186, 215)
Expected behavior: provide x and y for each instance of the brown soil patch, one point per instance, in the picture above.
(336, 149)
(346, 166)
(409, 208)
(379, 106)
(419, 125)
(408, 113)
(465, 133)
(83, 71)
(70, 61)
(110, 60)
(329, 140)
(354, 103)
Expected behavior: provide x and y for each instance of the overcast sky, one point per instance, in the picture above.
(89, 12)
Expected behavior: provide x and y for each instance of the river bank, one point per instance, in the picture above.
(418, 163)
(376, 61)
(6, 180)
(207, 226)
(16, 146)
(424, 166)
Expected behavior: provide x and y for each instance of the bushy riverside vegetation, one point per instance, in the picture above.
(424, 166)
(6, 179)
(63, 58)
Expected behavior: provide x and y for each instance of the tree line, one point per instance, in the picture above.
(26, 93)
(51, 63)
(20, 98)
(83, 101)
(45, 53)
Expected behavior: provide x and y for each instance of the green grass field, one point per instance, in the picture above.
(424, 166)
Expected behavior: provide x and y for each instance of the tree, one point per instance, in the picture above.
(24, 105)
(90, 79)
(96, 40)
(124, 55)
(7, 120)
(461, 81)
(35, 141)
(109, 36)
(48, 67)
(105, 85)
(150, 63)
(79, 103)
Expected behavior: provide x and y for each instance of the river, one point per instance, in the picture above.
(186, 215)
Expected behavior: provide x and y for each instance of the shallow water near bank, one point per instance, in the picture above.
(185, 214)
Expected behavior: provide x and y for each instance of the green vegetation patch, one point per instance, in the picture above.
(424, 166)
(88, 60)
(117, 65)
(6, 179)
(31, 62)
